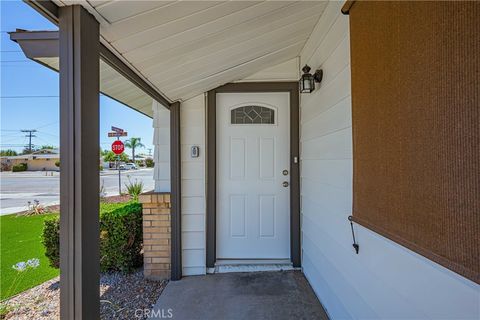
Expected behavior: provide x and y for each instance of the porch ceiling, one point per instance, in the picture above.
(115, 86)
(184, 48)
(43, 47)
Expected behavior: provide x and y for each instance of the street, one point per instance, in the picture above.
(17, 188)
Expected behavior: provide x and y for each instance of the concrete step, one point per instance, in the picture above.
(227, 266)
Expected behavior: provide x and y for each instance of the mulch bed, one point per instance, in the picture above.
(121, 297)
(116, 199)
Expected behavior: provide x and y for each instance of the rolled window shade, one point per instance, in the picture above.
(416, 127)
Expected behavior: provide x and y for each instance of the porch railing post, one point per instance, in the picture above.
(79, 164)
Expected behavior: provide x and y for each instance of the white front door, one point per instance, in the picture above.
(253, 174)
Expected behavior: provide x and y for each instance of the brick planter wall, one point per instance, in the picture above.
(156, 235)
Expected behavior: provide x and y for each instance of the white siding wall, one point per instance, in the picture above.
(385, 280)
(161, 142)
(192, 119)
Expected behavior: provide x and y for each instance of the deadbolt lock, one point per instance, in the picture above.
(285, 184)
(285, 172)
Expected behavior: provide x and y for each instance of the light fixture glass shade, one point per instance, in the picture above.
(307, 82)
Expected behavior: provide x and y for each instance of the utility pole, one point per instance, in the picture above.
(29, 135)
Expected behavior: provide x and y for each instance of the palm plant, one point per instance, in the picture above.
(133, 143)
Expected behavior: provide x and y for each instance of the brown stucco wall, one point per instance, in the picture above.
(42, 164)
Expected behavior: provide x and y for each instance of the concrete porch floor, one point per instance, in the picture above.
(259, 295)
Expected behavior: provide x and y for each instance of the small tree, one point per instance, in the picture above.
(134, 143)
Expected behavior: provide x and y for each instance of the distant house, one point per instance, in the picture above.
(141, 159)
(41, 160)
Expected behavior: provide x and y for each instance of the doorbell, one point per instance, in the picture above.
(195, 152)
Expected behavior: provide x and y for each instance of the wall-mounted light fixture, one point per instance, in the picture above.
(307, 81)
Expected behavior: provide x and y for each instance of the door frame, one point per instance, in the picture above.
(211, 162)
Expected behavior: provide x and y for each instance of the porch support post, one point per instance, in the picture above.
(295, 241)
(79, 156)
(176, 199)
(211, 158)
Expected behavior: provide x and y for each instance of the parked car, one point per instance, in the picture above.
(130, 166)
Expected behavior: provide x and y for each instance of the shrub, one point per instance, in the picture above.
(51, 240)
(57, 163)
(149, 163)
(121, 237)
(134, 188)
(20, 167)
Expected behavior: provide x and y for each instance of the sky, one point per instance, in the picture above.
(29, 92)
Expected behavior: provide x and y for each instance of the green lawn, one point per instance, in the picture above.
(21, 241)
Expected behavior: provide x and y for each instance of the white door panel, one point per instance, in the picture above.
(253, 206)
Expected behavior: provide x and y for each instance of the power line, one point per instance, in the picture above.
(10, 137)
(45, 141)
(10, 140)
(18, 131)
(22, 97)
(47, 125)
(11, 134)
(49, 134)
(12, 145)
(7, 61)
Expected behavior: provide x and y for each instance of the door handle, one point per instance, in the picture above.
(285, 184)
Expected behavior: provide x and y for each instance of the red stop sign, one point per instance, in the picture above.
(118, 147)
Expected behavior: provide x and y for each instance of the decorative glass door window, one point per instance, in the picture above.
(252, 115)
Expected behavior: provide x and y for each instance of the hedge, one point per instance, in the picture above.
(20, 167)
(121, 237)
